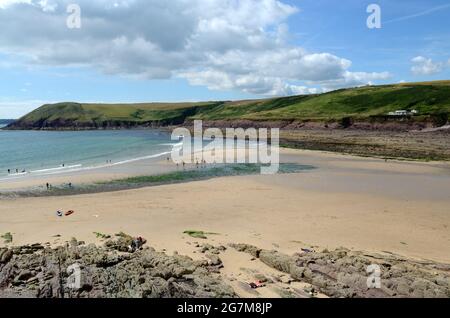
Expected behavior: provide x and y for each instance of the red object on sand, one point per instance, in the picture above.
(257, 284)
(68, 213)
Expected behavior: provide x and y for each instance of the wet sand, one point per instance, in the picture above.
(113, 172)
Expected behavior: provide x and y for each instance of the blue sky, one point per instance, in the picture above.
(212, 50)
(339, 28)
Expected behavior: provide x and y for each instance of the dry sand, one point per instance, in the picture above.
(358, 203)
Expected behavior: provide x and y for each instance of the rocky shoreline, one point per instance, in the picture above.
(344, 274)
(110, 271)
(115, 271)
(287, 125)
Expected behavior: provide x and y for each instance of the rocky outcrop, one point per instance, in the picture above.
(115, 271)
(111, 271)
(71, 125)
(343, 273)
(390, 125)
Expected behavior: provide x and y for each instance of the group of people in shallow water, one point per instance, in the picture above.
(198, 163)
(17, 171)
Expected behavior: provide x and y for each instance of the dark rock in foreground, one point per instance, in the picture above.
(343, 273)
(113, 271)
(105, 272)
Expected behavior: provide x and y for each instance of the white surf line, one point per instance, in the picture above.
(69, 169)
(56, 169)
(173, 145)
(108, 165)
(79, 167)
(39, 172)
(141, 158)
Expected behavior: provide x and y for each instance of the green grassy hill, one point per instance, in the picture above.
(77, 115)
(431, 99)
(360, 103)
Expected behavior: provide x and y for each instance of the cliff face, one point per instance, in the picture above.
(63, 124)
(387, 125)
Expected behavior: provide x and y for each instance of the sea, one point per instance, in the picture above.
(51, 152)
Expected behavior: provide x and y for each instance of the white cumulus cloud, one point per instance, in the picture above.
(221, 44)
(426, 66)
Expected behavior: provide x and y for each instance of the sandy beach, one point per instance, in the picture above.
(347, 201)
(362, 204)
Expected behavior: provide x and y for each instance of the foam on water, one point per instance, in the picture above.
(49, 153)
(56, 169)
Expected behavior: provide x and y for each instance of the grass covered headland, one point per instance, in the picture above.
(369, 104)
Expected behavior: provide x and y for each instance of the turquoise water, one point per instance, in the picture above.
(48, 151)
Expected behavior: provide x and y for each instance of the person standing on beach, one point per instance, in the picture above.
(48, 186)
